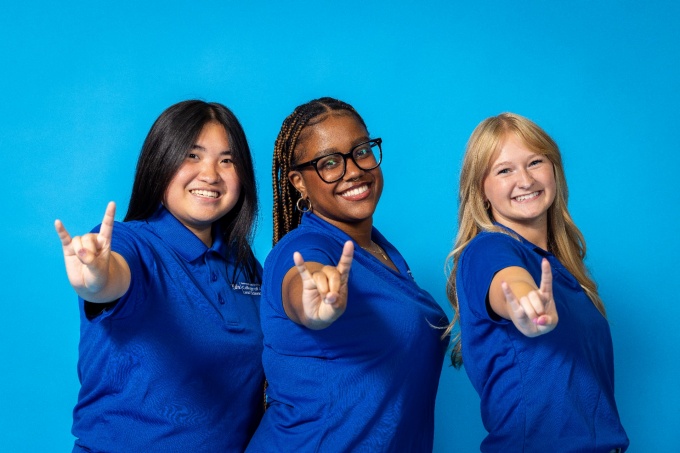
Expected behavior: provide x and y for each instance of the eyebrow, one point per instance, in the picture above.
(327, 151)
(504, 163)
(201, 148)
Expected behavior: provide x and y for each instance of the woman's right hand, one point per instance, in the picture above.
(96, 274)
(534, 313)
(324, 290)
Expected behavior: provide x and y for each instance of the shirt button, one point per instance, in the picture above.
(214, 276)
(219, 298)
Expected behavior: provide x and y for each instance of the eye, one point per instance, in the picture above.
(329, 162)
(503, 171)
(227, 160)
(363, 152)
(192, 156)
(535, 162)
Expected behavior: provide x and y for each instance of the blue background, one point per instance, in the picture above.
(83, 82)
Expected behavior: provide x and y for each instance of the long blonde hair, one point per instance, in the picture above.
(565, 240)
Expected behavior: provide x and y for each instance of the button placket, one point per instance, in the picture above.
(221, 289)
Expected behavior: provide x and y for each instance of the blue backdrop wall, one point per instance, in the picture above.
(82, 83)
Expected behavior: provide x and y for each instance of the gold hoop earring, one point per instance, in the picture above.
(303, 204)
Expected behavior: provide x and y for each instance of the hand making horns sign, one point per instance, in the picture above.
(319, 296)
(535, 313)
(96, 273)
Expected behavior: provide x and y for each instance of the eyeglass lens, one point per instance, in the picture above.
(332, 167)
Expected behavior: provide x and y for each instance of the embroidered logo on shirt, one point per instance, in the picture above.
(249, 289)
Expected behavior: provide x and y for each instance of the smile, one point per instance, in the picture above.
(205, 193)
(354, 191)
(527, 196)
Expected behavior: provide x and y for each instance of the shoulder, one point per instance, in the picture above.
(489, 244)
(488, 253)
(129, 235)
(313, 245)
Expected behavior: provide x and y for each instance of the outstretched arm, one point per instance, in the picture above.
(514, 295)
(96, 273)
(315, 295)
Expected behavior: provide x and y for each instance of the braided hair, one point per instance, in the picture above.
(286, 217)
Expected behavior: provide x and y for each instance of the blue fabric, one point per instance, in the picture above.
(554, 392)
(368, 381)
(175, 365)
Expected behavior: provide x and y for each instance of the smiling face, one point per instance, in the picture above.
(206, 186)
(520, 186)
(351, 201)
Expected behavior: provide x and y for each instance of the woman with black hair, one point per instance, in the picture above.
(353, 347)
(170, 344)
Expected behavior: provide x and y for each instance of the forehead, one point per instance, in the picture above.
(213, 133)
(511, 147)
(337, 132)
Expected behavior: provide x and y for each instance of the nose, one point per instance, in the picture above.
(525, 179)
(208, 173)
(351, 169)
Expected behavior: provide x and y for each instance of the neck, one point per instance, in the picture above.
(360, 231)
(536, 234)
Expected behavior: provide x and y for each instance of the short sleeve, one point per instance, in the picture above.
(126, 243)
(483, 257)
(313, 246)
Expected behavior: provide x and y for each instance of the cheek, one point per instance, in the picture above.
(379, 180)
(550, 181)
(488, 189)
(233, 182)
(174, 186)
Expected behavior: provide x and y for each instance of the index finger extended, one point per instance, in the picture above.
(346, 258)
(546, 277)
(106, 230)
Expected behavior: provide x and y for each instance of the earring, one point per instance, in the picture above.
(303, 204)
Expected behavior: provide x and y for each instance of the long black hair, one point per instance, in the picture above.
(163, 152)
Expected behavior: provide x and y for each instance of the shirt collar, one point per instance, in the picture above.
(181, 239)
(526, 243)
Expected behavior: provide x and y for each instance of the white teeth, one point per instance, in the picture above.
(356, 191)
(205, 193)
(526, 197)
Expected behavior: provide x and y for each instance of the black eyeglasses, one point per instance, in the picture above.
(332, 167)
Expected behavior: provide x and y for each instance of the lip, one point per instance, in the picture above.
(527, 197)
(356, 192)
(205, 194)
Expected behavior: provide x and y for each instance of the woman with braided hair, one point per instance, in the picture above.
(353, 347)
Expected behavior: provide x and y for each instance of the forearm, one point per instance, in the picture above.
(116, 282)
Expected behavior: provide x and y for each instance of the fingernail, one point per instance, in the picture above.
(329, 300)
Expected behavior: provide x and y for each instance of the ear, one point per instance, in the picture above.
(298, 182)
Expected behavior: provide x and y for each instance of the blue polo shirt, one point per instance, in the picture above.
(368, 381)
(175, 364)
(552, 392)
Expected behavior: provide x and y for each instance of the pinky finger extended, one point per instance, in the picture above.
(63, 234)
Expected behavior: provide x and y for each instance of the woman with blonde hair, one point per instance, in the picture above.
(533, 330)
